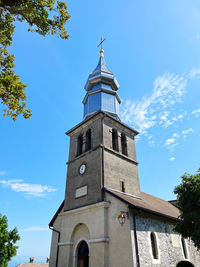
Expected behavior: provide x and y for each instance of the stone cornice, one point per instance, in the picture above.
(103, 204)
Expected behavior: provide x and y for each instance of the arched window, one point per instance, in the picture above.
(154, 245)
(88, 140)
(83, 255)
(80, 145)
(184, 248)
(115, 145)
(124, 144)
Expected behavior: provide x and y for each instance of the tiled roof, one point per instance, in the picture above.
(148, 203)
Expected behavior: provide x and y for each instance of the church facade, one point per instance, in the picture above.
(105, 219)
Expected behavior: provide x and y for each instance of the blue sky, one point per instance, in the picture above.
(152, 47)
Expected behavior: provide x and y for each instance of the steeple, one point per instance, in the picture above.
(101, 69)
(101, 88)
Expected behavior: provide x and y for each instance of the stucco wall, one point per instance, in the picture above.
(110, 244)
(117, 169)
(54, 242)
(88, 223)
(109, 124)
(95, 126)
(120, 245)
(91, 179)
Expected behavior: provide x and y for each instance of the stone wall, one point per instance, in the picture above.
(170, 248)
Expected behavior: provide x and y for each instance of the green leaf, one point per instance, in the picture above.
(44, 17)
(188, 201)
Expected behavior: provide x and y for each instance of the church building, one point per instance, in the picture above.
(105, 219)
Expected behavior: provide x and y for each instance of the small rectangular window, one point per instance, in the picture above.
(122, 186)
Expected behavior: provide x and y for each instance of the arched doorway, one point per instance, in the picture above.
(184, 264)
(82, 255)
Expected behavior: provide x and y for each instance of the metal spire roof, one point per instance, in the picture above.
(101, 74)
(101, 67)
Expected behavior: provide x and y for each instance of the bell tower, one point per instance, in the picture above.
(102, 148)
(105, 220)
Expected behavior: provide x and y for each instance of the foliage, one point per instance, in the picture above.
(188, 201)
(44, 17)
(7, 242)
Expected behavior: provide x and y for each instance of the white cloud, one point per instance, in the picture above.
(186, 132)
(35, 190)
(35, 228)
(11, 181)
(151, 143)
(153, 109)
(158, 109)
(178, 117)
(2, 173)
(164, 119)
(176, 135)
(172, 159)
(197, 36)
(170, 141)
(196, 112)
(194, 74)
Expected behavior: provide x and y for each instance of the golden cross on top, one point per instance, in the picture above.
(102, 40)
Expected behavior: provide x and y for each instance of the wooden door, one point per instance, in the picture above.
(83, 255)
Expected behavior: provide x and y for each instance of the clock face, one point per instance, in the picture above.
(82, 169)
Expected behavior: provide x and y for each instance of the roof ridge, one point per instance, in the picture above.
(124, 193)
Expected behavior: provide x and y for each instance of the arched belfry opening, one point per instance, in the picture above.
(124, 144)
(82, 255)
(80, 145)
(115, 144)
(88, 140)
(184, 264)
